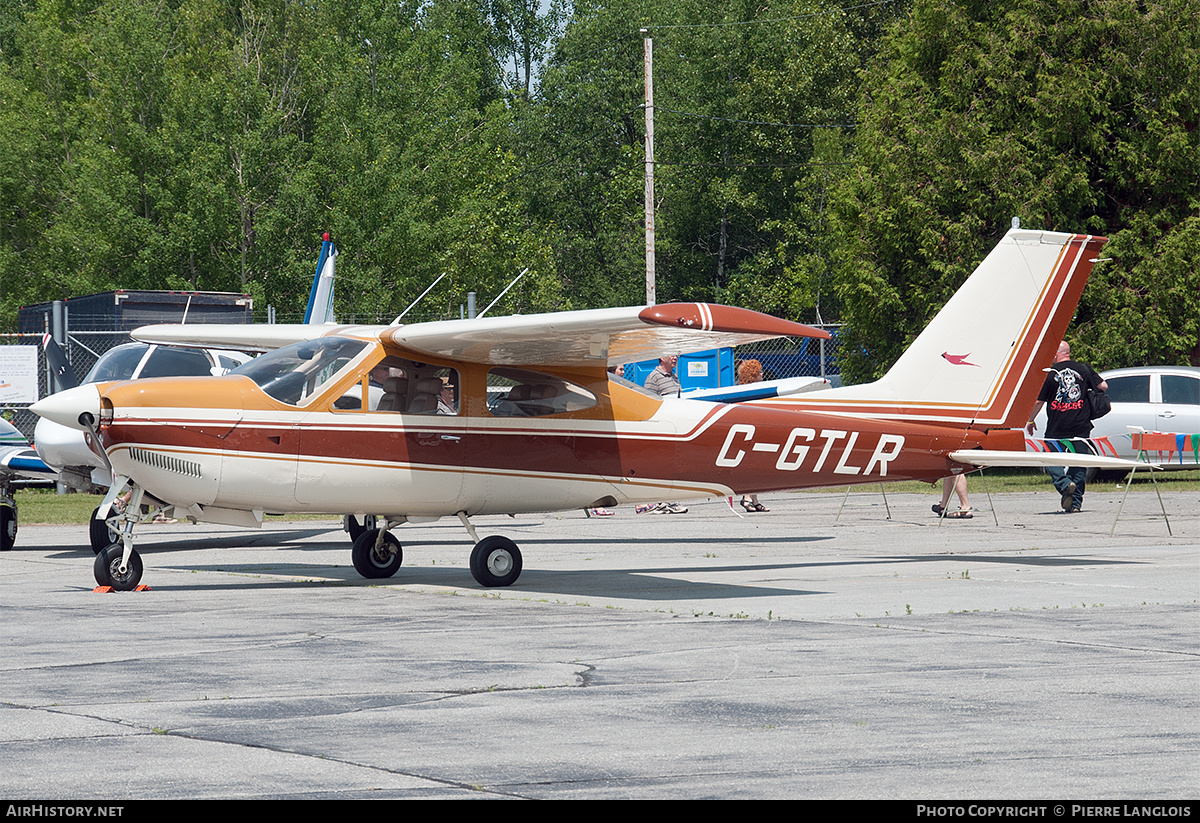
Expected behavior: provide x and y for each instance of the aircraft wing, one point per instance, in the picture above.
(23, 463)
(594, 337)
(573, 338)
(987, 459)
(236, 336)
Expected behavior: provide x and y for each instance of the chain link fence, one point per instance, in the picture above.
(796, 356)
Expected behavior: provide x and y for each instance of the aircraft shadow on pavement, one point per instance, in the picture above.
(651, 583)
(304, 540)
(149, 543)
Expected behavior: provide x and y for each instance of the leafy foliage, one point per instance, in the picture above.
(815, 160)
(1077, 116)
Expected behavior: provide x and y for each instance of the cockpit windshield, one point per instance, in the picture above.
(297, 373)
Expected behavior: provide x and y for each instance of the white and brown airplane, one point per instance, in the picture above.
(520, 414)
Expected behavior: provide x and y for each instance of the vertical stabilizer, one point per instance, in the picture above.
(979, 360)
(320, 298)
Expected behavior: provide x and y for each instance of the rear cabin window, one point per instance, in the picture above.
(523, 393)
(403, 386)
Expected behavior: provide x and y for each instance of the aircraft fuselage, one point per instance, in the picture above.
(221, 442)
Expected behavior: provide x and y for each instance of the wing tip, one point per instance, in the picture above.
(719, 318)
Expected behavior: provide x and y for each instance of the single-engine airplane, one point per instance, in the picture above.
(518, 414)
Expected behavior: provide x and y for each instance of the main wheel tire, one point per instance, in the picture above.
(495, 562)
(356, 529)
(8, 527)
(375, 563)
(99, 533)
(107, 569)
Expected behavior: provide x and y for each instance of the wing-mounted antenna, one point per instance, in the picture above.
(524, 271)
(396, 322)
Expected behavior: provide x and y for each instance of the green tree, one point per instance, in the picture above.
(750, 104)
(579, 143)
(413, 152)
(1078, 116)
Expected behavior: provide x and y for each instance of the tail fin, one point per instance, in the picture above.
(320, 298)
(59, 365)
(979, 361)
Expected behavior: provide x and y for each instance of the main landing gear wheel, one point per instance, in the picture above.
(107, 569)
(495, 562)
(8, 527)
(100, 535)
(373, 562)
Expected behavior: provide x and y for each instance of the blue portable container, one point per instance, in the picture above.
(699, 370)
(706, 369)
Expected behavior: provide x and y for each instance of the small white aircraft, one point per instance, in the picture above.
(518, 414)
(78, 458)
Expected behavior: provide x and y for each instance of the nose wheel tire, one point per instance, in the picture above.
(107, 569)
(372, 562)
(495, 562)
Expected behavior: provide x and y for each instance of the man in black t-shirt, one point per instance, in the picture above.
(1068, 417)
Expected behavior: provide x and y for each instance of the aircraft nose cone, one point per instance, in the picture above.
(77, 408)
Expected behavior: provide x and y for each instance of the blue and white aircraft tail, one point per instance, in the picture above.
(320, 299)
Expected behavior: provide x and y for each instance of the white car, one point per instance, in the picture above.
(1155, 399)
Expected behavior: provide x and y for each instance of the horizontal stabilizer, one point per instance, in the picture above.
(990, 459)
(758, 391)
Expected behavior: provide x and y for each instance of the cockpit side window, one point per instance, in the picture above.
(297, 373)
(397, 384)
(118, 363)
(523, 393)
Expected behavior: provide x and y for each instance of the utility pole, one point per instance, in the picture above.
(651, 297)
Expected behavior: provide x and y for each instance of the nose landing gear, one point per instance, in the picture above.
(118, 565)
(114, 570)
